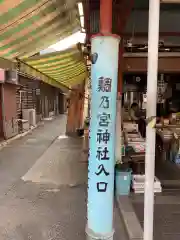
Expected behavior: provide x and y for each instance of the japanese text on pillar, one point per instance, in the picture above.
(103, 134)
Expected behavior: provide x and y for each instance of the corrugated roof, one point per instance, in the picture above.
(66, 67)
(28, 26)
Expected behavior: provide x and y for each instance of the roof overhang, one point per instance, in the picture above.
(65, 67)
(29, 26)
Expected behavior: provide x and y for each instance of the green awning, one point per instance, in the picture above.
(66, 67)
(29, 26)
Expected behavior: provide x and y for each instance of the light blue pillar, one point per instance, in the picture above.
(102, 137)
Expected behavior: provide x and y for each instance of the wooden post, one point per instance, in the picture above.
(106, 16)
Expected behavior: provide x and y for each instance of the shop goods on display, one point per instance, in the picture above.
(138, 184)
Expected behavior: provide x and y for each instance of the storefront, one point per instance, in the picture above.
(26, 95)
(9, 110)
(49, 101)
(167, 126)
(24, 101)
(37, 95)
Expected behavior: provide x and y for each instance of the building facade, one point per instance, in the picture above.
(25, 101)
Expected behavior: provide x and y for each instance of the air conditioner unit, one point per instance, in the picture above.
(30, 115)
(11, 76)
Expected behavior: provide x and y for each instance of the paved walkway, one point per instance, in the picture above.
(167, 203)
(166, 214)
(43, 187)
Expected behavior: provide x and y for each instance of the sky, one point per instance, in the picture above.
(66, 43)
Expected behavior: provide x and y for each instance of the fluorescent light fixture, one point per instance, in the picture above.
(80, 8)
(81, 14)
(82, 21)
(66, 43)
(170, 1)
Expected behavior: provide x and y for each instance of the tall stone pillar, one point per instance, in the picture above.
(102, 137)
(104, 74)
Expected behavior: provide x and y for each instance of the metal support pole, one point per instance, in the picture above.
(119, 130)
(152, 74)
(119, 108)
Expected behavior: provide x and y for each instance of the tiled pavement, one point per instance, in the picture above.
(166, 215)
(52, 204)
(167, 204)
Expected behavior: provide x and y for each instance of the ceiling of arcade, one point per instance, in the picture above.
(130, 20)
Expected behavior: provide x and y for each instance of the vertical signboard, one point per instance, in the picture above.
(102, 135)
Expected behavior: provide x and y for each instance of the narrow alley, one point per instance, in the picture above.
(43, 187)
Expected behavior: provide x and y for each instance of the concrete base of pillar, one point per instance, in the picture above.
(74, 134)
(71, 134)
(90, 235)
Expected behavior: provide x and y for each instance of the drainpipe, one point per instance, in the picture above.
(104, 74)
(152, 74)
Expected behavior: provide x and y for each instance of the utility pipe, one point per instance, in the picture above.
(152, 74)
(119, 108)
